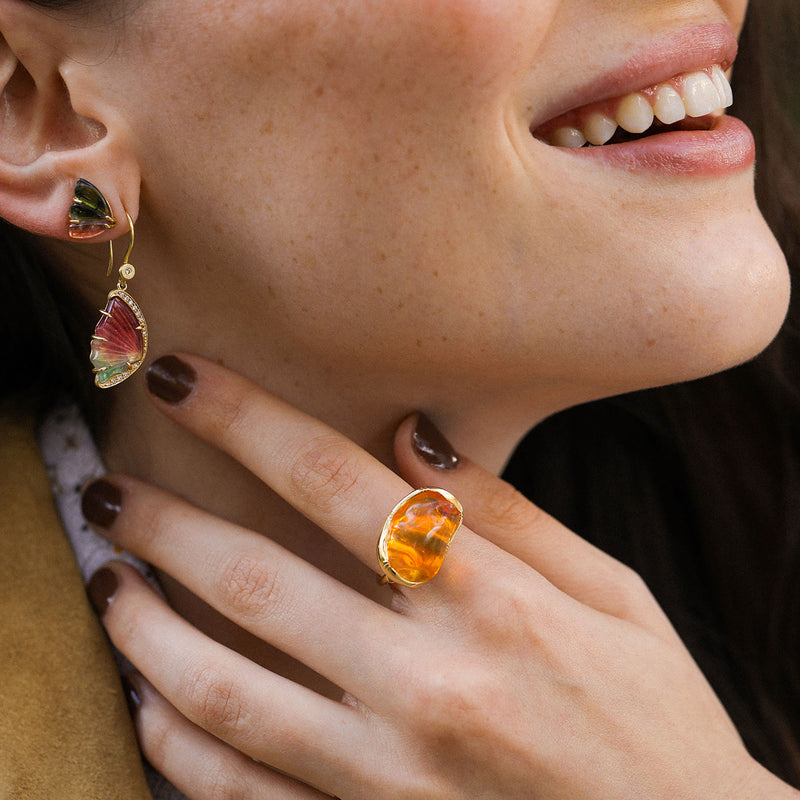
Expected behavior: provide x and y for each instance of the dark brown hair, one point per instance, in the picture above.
(697, 486)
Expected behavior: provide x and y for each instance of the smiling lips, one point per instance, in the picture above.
(688, 101)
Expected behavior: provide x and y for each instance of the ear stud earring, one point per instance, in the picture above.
(119, 342)
(89, 214)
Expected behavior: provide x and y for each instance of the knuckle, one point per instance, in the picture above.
(228, 415)
(629, 593)
(513, 606)
(157, 740)
(249, 588)
(512, 511)
(510, 611)
(326, 472)
(465, 714)
(160, 740)
(221, 781)
(214, 701)
(446, 699)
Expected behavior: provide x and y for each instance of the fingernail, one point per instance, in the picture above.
(170, 379)
(132, 683)
(101, 589)
(431, 446)
(101, 503)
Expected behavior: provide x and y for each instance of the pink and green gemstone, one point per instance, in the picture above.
(119, 343)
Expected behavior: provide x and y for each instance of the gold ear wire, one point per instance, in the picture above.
(119, 343)
(127, 252)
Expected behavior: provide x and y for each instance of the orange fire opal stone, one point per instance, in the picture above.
(417, 534)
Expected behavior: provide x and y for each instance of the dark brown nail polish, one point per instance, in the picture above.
(171, 379)
(101, 503)
(134, 694)
(432, 447)
(101, 589)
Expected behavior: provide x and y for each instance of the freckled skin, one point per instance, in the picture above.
(342, 200)
(359, 177)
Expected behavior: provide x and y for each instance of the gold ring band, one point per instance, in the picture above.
(416, 535)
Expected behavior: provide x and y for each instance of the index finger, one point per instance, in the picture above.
(333, 482)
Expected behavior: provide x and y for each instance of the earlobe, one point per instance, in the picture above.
(46, 146)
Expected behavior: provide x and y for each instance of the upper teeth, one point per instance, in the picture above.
(694, 94)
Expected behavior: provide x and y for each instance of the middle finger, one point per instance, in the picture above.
(255, 582)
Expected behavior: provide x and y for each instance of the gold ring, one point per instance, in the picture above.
(416, 535)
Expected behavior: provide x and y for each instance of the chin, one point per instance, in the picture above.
(719, 308)
(750, 303)
(723, 323)
(747, 335)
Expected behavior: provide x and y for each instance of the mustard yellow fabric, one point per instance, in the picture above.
(65, 732)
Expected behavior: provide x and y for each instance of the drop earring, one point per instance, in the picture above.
(119, 342)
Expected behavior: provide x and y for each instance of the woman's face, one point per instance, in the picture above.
(366, 172)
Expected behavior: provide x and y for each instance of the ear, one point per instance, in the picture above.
(59, 122)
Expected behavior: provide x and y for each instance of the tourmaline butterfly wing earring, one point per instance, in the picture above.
(119, 342)
(89, 214)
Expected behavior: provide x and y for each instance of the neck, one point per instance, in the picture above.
(366, 410)
(365, 406)
(166, 455)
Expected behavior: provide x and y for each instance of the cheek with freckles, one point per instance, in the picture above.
(373, 152)
(661, 281)
(364, 135)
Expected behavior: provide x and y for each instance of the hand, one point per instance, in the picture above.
(533, 666)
